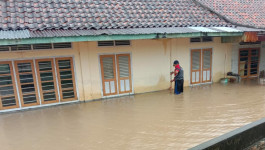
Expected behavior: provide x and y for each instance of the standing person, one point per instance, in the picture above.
(178, 77)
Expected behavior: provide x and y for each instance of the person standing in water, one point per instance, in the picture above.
(178, 77)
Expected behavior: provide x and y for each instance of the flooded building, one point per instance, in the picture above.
(67, 51)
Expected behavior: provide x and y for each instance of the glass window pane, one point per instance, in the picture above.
(244, 59)
(68, 94)
(24, 67)
(206, 59)
(108, 67)
(28, 88)
(64, 64)
(4, 69)
(49, 96)
(9, 101)
(253, 71)
(46, 86)
(26, 78)
(46, 76)
(45, 65)
(254, 52)
(244, 53)
(66, 74)
(5, 80)
(196, 60)
(254, 58)
(254, 65)
(124, 66)
(8, 90)
(67, 84)
(28, 99)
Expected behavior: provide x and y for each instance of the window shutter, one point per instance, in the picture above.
(207, 60)
(124, 66)
(108, 68)
(195, 60)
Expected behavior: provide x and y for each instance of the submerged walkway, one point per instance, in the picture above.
(143, 122)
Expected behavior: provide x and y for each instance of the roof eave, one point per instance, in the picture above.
(113, 37)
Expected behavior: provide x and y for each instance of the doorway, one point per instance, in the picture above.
(116, 74)
(249, 62)
(201, 66)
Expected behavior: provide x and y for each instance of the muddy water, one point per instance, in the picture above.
(148, 121)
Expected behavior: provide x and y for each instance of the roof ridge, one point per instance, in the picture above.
(223, 17)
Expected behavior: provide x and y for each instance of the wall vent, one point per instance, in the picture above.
(42, 46)
(62, 45)
(122, 43)
(106, 43)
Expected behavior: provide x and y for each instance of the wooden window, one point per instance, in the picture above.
(47, 81)
(206, 65)
(27, 83)
(201, 66)
(8, 94)
(108, 73)
(195, 66)
(124, 73)
(66, 79)
(248, 65)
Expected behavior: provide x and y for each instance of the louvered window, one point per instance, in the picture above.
(20, 47)
(108, 68)
(42, 46)
(8, 97)
(201, 39)
(62, 45)
(46, 78)
(27, 82)
(124, 74)
(114, 43)
(105, 43)
(4, 48)
(193, 40)
(36, 82)
(122, 43)
(66, 78)
(45, 46)
(123, 66)
(207, 39)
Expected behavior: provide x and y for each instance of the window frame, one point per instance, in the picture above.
(54, 81)
(14, 87)
(59, 79)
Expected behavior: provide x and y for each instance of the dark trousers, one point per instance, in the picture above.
(179, 86)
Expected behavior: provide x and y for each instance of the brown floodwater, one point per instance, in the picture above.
(149, 121)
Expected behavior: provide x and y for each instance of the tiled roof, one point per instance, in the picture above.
(243, 12)
(103, 14)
